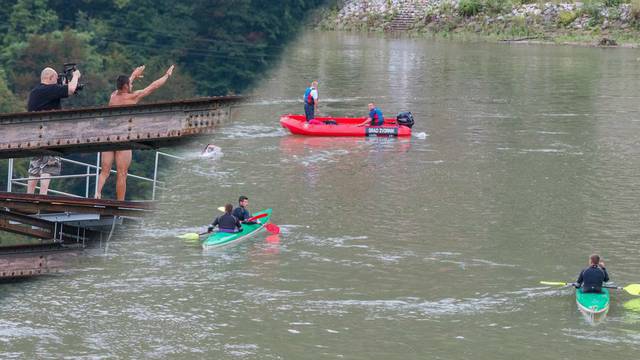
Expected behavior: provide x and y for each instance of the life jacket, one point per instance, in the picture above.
(308, 99)
(377, 119)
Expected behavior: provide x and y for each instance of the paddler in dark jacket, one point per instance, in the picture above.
(241, 211)
(226, 222)
(592, 277)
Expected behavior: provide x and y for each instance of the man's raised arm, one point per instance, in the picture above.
(137, 73)
(73, 84)
(154, 85)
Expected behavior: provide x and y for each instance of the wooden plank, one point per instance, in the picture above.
(32, 204)
(34, 198)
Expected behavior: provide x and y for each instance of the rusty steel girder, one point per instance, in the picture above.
(32, 203)
(144, 126)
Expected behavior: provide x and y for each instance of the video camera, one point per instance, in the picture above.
(67, 74)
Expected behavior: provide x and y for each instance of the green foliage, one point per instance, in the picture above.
(8, 101)
(29, 17)
(518, 27)
(614, 13)
(592, 10)
(566, 17)
(446, 7)
(469, 7)
(497, 7)
(219, 46)
(613, 3)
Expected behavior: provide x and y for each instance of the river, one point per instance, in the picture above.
(522, 164)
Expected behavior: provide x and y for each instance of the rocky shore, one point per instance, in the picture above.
(607, 23)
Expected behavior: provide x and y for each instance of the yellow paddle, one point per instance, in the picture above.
(633, 305)
(632, 289)
(555, 283)
(192, 236)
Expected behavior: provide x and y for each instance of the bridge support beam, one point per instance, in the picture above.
(145, 126)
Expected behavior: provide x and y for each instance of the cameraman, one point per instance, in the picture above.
(43, 97)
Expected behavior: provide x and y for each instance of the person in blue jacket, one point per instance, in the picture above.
(311, 101)
(375, 117)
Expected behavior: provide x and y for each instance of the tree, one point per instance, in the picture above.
(8, 101)
(29, 17)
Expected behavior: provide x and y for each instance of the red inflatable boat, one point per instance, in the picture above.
(336, 126)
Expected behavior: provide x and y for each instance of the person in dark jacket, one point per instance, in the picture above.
(241, 211)
(44, 97)
(592, 277)
(226, 222)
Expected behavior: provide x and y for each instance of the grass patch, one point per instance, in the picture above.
(469, 8)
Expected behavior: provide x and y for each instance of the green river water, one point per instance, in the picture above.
(523, 162)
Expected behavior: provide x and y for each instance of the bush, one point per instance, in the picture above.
(469, 7)
(446, 7)
(518, 27)
(592, 10)
(613, 3)
(497, 7)
(566, 17)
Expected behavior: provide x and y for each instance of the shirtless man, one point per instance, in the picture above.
(124, 95)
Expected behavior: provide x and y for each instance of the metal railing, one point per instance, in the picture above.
(157, 184)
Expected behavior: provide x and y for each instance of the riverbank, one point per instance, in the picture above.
(597, 23)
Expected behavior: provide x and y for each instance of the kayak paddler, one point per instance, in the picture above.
(375, 117)
(311, 103)
(226, 222)
(241, 212)
(592, 277)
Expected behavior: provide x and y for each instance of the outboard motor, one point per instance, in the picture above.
(405, 119)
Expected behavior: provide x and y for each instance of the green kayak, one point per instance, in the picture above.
(593, 304)
(219, 239)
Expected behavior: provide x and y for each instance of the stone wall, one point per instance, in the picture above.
(434, 15)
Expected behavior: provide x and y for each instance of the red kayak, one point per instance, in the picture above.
(336, 126)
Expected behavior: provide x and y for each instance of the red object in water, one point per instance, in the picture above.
(298, 125)
(272, 228)
(273, 239)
